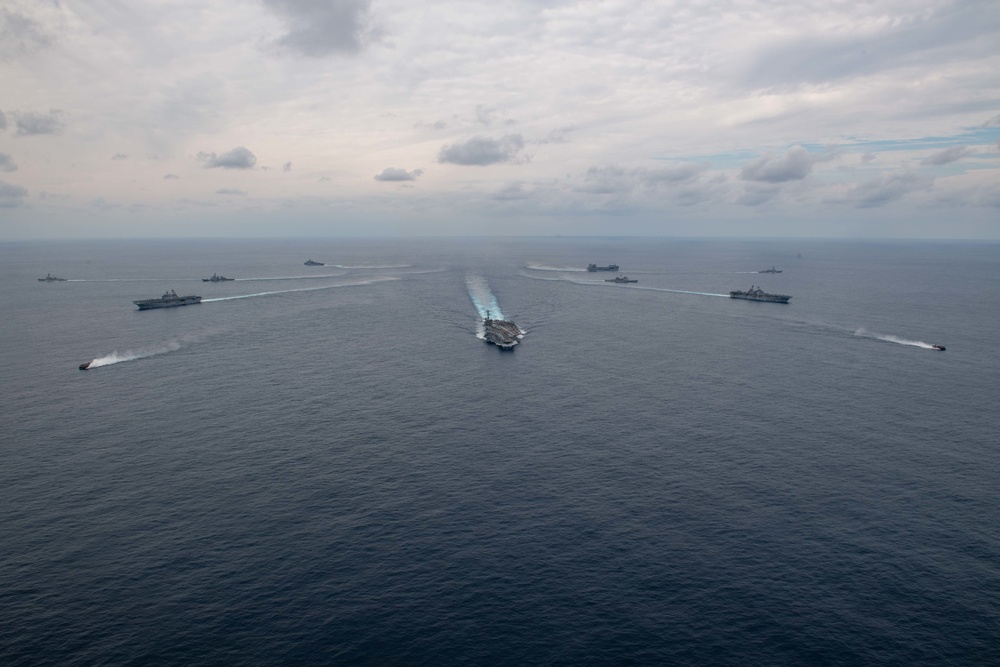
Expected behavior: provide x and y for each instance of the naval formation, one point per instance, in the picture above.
(502, 333)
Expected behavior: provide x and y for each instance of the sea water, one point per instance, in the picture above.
(327, 465)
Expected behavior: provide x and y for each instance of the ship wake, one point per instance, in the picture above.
(482, 298)
(117, 357)
(893, 339)
(354, 283)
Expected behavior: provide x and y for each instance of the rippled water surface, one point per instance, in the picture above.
(327, 465)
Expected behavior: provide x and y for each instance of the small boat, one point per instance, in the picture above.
(85, 366)
(620, 279)
(938, 347)
(49, 278)
(216, 278)
(309, 262)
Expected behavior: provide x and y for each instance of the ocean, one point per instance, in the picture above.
(327, 465)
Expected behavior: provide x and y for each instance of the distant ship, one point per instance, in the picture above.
(49, 278)
(620, 279)
(168, 300)
(501, 333)
(771, 270)
(938, 347)
(757, 294)
(309, 262)
(216, 279)
(609, 267)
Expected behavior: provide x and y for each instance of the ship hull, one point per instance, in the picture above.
(501, 333)
(151, 304)
(769, 298)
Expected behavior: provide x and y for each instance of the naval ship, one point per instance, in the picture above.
(49, 278)
(609, 267)
(309, 262)
(771, 270)
(757, 294)
(620, 279)
(501, 333)
(168, 300)
(216, 278)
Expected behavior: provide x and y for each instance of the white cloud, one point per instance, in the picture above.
(794, 165)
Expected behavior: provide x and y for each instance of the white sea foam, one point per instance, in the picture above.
(893, 339)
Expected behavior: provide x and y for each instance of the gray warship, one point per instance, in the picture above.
(757, 294)
(609, 267)
(309, 262)
(502, 333)
(620, 279)
(49, 278)
(168, 300)
(216, 278)
(771, 270)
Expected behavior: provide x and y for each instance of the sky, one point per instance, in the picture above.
(316, 118)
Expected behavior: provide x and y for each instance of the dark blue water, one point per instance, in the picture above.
(335, 469)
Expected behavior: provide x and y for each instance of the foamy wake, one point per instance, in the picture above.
(117, 357)
(893, 339)
(482, 297)
(353, 283)
(536, 267)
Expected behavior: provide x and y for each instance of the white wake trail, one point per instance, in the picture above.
(894, 339)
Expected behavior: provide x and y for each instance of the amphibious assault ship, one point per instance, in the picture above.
(609, 267)
(620, 279)
(757, 294)
(216, 278)
(168, 300)
(502, 333)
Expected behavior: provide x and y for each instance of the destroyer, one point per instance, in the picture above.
(502, 333)
(757, 294)
(620, 279)
(771, 270)
(309, 262)
(216, 278)
(168, 300)
(49, 278)
(609, 267)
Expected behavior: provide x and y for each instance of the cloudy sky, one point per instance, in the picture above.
(123, 118)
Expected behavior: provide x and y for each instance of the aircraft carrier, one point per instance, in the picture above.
(168, 300)
(757, 294)
(502, 333)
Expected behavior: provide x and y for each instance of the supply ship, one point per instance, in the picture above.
(757, 294)
(620, 279)
(502, 333)
(168, 300)
(609, 267)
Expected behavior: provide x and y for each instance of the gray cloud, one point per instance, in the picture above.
(512, 192)
(868, 157)
(11, 196)
(229, 191)
(954, 31)
(992, 122)
(319, 29)
(887, 188)
(30, 123)
(119, 156)
(396, 174)
(482, 151)
(3, 121)
(7, 163)
(20, 35)
(755, 195)
(287, 166)
(794, 165)
(947, 155)
(238, 158)
(618, 180)
(171, 176)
